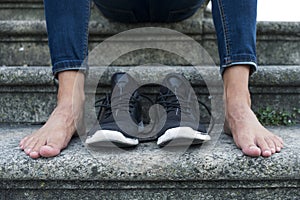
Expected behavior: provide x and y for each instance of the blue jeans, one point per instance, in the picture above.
(67, 26)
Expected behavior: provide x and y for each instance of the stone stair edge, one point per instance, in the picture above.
(38, 27)
(224, 161)
(42, 75)
(264, 27)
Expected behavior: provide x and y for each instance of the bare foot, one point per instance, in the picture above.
(248, 134)
(55, 135)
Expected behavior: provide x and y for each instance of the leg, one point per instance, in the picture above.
(236, 40)
(60, 127)
(248, 133)
(67, 25)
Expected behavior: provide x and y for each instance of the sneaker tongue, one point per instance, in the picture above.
(116, 78)
(164, 89)
(123, 83)
(176, 84)
(181, 90)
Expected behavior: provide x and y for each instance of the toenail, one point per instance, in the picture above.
(253, 147)
(272, 150)
(267, 152)
(278, 149)
(33, 153)
(27, 150)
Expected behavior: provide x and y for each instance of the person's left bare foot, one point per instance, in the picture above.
(248, 133)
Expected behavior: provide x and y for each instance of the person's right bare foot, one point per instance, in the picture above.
(55, 135)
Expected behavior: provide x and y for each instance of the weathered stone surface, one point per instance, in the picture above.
(23, 38)
(272, 49)
(148, 172)
(21, 10)
(265, 76)
(21, 76)
(189, 194)
(28, 94)
(22, 107)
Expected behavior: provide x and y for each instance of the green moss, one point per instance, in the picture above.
(270, 116)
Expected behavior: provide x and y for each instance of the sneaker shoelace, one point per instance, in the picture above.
(170, 101)
(105, 105)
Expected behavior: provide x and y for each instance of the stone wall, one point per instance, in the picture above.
(23, 40)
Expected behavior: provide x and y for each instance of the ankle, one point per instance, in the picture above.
(237, 97)
(71, 87)
(71, 100)
(236, 103)
(236, 89)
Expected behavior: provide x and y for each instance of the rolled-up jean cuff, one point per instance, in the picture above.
(70, 65)
(240, 60)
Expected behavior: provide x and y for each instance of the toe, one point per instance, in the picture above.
(248, 146)
(271, 145)
(266, 153)
(251, 150)
(278, 149)
(49, 151)
(279, 139)
(22, 142)
(34, 153)
(27, 150)
(278, 143)
(29, 146)
(26, 142)
(265, 149)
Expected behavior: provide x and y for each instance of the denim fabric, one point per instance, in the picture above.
(235, 24)
(67, 26)
(131, 11)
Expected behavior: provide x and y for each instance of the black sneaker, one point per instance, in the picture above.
(180, 124)
(119, 115)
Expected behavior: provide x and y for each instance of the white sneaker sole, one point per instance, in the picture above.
(109, 138)
(181, 136)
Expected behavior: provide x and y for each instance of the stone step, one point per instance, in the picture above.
(215, 170)
(23, 39)
(28, 94)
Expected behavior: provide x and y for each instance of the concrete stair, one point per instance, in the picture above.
(216, 170)
(28, 94)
